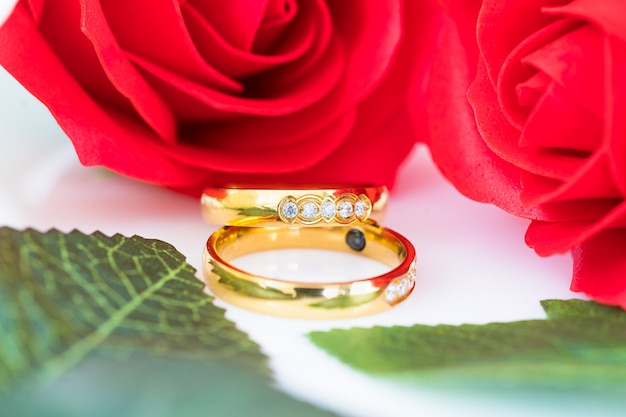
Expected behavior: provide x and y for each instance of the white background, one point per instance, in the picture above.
(473, 266)
(5, 8)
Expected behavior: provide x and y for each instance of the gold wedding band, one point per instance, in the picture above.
(310, 300)
(303, 207)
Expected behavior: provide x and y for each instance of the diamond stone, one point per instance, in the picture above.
(398, 289)
(391, 293)
(328, 210)
(345, 209)
(309, 210)
(360, 208)
(290, 210)
(404, 286)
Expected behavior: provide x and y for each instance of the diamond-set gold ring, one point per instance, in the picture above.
(340, 219)
(259, 207)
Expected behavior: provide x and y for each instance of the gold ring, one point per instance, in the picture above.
(305, 207)
(310, 300)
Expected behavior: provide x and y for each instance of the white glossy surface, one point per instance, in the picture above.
(473, 266)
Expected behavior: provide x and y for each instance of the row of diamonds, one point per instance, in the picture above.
(310, 209)
(400, 288)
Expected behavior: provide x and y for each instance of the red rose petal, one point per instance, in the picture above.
(572, 61)
(424, 49)
(600, 267)
(515, 69)
(280, 11)
(238, 63)
(548, 238)
(190, 99)
(202, 106)
(360, 147)
(123, 74)
(372, 35)
(214, 165)
(606, 14)
(464, 13)
(36, 9)
(592, 181)
(376, 124)
(557, 121)
(577, 210)
(236, 20)
(503, 25)
(60, 26)
(456, 146)
(277, 23)
(502, 138)
(530, 91)
(499, 135)
(265, 133)
(264, 160)
(388, 124)
(615, 93)
(161, 36)
(316, 15)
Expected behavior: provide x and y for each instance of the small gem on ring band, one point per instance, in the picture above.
(345, 209)
(328, 210)
(309, 210)
(360, 208)
(290, 210)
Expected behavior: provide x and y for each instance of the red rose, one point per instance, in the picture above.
(185, 93)
(547, 136)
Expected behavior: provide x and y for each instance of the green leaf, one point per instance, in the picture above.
(563, 309)
(62, 296)
(79, 306)
(144, 385)
(580, 348)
